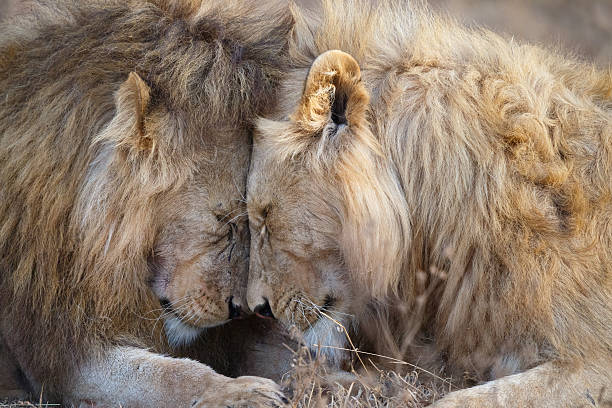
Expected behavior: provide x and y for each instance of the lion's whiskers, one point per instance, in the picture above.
(175, 307)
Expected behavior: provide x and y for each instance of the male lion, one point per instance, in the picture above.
(426, 145)
(124, 145)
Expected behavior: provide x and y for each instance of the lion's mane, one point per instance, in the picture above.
(76, 218)
(496, 161)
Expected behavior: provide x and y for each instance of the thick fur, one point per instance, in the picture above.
(484, 162)
(124, 146)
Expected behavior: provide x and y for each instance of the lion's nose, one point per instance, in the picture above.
(235, 311)
(264, 310)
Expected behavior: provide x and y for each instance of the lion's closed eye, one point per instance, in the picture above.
(224, 229)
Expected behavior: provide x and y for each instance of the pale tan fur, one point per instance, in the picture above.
(484, 162)
(145, 379)
(124, 147)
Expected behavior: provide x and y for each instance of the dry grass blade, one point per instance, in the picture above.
(314, 384)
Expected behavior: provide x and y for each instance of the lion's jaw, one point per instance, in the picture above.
(322, 325)
(178, 333)
(328, 338)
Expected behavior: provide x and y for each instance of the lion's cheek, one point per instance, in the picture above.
(196, 298)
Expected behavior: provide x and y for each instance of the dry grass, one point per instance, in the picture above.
(312, 384)
(371, 380)
(27, 404)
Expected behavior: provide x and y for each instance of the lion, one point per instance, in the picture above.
(124, 146)
(403, 143)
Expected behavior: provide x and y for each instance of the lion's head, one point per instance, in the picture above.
(317, 182)
(197, 263)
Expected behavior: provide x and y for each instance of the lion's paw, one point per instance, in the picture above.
(243, 392)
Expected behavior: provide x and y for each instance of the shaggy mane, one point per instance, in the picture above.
(493, 148)
(76, 225)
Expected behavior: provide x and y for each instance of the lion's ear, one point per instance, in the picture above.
(333, 92)
(132, 100)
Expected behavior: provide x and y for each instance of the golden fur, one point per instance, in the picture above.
(124, 146)
(485, 161)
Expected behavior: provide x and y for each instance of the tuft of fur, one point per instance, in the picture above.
(86, 191)
(484, 160)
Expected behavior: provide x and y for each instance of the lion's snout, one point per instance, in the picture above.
(258, 298)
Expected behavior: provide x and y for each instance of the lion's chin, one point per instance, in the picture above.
(327, 339)
(180, 334)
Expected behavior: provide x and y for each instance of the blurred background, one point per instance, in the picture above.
(583, 27)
